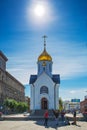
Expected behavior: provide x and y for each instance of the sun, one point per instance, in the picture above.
(40, 13)
(39, 10)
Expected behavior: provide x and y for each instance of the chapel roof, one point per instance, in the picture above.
(55, 78)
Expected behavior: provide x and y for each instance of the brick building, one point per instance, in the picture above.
(27, 100)
(10, 87)
(83, 104)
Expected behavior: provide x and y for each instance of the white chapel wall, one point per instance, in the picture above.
(44, 80)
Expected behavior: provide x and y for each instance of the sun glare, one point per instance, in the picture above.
(39, 10)
(40, 13)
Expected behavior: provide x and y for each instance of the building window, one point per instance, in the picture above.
(43, 89)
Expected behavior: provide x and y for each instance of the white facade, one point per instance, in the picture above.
(52, 95)
(44, 85)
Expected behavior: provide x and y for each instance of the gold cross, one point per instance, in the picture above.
(44, 40)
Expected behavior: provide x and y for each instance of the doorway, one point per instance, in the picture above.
(44, 103)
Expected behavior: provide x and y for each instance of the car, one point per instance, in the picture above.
(25, 113)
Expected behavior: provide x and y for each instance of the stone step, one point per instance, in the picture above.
(41, 113)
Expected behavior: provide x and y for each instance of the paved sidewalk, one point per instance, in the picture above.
(38, 125)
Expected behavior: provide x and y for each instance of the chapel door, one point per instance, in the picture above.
(44, 103)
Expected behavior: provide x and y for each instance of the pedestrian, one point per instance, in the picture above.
(62, 115)
(46, 114)
(67, 121)
(56, 114)
(74, 118)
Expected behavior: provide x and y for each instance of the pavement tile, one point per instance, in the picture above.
(38, 125)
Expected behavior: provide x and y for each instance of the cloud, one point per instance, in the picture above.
(21, 68)
(22, 75)
(68, 94)
(72, 92)
(71, 67)
(71, 60)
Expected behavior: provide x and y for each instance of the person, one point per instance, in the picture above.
(74, 118)
(56, 114)
(62, 115)
(46, 114)
(67, 121)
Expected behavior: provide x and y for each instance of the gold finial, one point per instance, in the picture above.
(44, 40)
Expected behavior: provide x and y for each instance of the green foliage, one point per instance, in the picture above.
(22, 106)
(60, 104)
(6, 102)
(15, 106)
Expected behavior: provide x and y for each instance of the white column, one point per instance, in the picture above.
(33, 97)
(57, 96)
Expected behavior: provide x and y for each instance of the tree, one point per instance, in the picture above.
(14, 106)
(60, 104)
(6, 102)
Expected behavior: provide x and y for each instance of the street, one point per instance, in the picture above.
(38, 125)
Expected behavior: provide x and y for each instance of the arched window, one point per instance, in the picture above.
(43, 89)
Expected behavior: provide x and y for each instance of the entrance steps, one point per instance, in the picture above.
(39, 114)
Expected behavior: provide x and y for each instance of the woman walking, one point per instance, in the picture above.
(46, 114)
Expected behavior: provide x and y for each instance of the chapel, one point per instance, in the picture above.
(44, 86)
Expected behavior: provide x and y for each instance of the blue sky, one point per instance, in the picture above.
(65, 24)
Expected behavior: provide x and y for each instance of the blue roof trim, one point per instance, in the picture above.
(56, 78)
(32, 79)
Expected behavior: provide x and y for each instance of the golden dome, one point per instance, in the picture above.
(44, 56)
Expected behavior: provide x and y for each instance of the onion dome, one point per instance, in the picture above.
(44, 56)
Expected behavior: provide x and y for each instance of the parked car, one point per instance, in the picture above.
(25, 113)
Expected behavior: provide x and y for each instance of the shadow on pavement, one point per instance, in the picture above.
(51, 123)
(78, 125)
